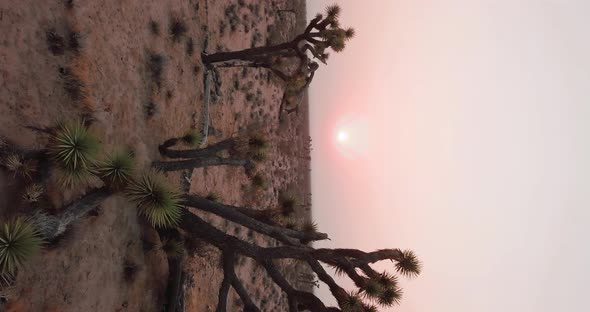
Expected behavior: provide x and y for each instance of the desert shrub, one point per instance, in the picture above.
(55, 42)
(130, 270)
(19, 241)
(74, 43)
(154, 28)
(258, 181)
(177, 29)
(156, 67)
(155, 200)
(73, 85)
(190, 46)
(150, 109)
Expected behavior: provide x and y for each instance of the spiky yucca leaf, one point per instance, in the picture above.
(173, 247)
(33, 192)
(257, 142)
(333, 11)
(387, 280)
(193, 138)
(372, 289)
(288, 204)
(155, 200)
(390, 296)
(213, 196)
(258, 181)
(117, 169)
(19, 241)
(349, 33)
(19, 166)
(338, 270)
(71, 177)
(309, 227)
(370, 308)
(259, 156)
(408, 264)
(353, 303)
(73, 146)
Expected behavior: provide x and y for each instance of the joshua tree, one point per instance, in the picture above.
(321, 33)
(243, 150)
(72, 148)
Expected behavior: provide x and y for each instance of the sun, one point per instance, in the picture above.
(342, 136)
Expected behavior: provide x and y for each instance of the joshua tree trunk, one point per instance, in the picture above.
(247, 54)
(199, 163)
(210, 150)
(52, 226)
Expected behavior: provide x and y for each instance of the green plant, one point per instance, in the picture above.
(172, 247)
(155, 200)
(213, 196)
(72, 146)
(309, 227)
(407, 263)
(19, 241)
(33, 192)
(288, 203)
(117, 169)
(192, 138)
(258, 181)
(19, 166)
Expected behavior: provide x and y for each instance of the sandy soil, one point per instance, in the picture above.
(85, 272)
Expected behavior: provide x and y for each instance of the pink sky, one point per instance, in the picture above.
(469, 134)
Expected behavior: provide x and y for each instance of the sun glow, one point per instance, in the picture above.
(351, 136)
(342, 136)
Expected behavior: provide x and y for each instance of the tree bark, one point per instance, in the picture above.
(246, 54)
(208, 151)
(235, 214)
(199, 163)
(54, 226)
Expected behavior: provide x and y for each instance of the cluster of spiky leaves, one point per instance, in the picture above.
(353, 303)
(257, 142)
(33, 193)
(407, 263)
(172, 247)
(213, 196)
(19, 241)
(19, 166)
(258, 181)
(117, 169)
(288, 203)
(193, 138)
(309, 227)
(74, 149)
(159, 204)
(334, 36)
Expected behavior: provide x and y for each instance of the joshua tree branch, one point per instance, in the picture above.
(210, 150)
(236, 214)
(200, 163)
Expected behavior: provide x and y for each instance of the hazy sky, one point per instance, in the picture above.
(468, 128)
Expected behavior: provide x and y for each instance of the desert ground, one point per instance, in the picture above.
(111, 47)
